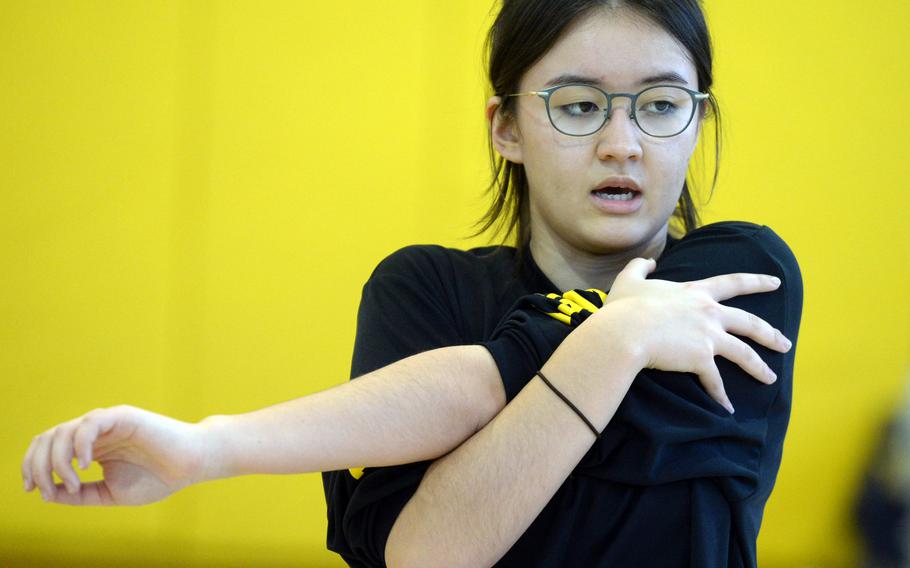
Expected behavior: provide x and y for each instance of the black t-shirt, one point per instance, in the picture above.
(674, 480)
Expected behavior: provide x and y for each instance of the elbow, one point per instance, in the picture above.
(399, 550)
(422, 557)
(405, 550)
(399, 554)
(395, 559)
(412, 558)
(487, 394)
(402, 552)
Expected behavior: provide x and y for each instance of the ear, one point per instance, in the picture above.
(503, 131)
(700, 114)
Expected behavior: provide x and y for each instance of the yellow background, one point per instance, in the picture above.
(192, 194)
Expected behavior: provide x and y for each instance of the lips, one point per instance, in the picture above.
(617, 195)
(617, 184)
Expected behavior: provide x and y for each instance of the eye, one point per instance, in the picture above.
(663, 101)
(579, 108)
(659, 107)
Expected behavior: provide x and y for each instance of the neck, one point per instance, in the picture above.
(569, 268)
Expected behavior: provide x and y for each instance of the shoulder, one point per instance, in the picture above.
(743, 246)
(422, 297)
(436, 262)
(739, 247)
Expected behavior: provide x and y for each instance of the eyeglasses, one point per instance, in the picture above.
(661, 111)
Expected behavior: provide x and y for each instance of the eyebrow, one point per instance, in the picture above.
(663, 77)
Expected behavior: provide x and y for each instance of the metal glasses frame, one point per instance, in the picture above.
(545, 94)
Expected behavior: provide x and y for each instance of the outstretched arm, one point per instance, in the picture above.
(418, 408)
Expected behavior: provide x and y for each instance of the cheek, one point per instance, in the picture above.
(669, 163)
(554, 166)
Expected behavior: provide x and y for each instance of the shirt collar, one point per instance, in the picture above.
(536, 280)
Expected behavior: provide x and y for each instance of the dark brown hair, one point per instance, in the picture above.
(523, 32)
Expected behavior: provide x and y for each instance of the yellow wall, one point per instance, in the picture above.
(192, 194)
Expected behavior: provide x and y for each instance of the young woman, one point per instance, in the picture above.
(613, 445)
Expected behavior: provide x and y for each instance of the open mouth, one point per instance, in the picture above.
(615, 193)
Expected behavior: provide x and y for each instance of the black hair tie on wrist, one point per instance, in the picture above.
(572, 406)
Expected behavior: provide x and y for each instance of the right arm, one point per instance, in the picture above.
(418, 408)
(427, 400)
(415, 409)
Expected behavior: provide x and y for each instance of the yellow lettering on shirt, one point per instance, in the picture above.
(572, 302)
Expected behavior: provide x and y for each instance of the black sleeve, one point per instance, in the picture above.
(404, 310)
(668, 428)
(528, 335)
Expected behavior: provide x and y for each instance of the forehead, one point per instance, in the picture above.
(615, 46)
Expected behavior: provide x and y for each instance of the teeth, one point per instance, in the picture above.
(616, 196)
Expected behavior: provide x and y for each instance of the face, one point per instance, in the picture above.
(617, 49)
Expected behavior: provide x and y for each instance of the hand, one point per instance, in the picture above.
(144, 456)
(681, 326)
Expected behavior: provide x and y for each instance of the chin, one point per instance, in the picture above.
(614, 245)
(622, 239)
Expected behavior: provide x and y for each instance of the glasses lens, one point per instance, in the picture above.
(664, 111)
(577, 110)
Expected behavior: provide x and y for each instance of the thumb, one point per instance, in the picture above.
(637, 269)
(89, 494)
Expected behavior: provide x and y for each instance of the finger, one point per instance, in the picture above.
(41, 469)
(62, 456)
(737, 351)
(27, 482)
(90, 494)
(637, 269)
(84, 439)
(746, 324)
(96, 424)
(710, 378)
(727, 286)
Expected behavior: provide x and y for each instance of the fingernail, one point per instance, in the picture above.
(729, 408)
(772, 376)
(25, 484)
(43, 495)
(776, 280)
(81, 463)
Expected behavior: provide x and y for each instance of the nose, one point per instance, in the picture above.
(620, 138)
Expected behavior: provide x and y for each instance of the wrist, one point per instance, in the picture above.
(214, 437)
(618, 326)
